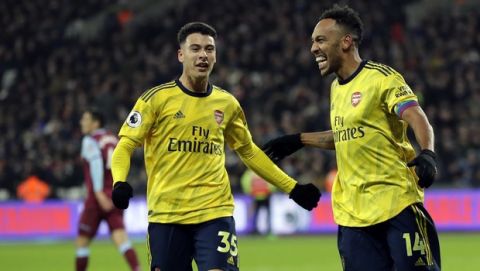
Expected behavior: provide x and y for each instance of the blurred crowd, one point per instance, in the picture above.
(59, 57)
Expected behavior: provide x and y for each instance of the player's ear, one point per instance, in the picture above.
(180, 55)
(347, 42)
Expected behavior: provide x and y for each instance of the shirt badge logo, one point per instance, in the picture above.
(356, 98)
(218, 116)
(134, 119)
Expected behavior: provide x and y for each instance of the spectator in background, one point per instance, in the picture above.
(260, 191)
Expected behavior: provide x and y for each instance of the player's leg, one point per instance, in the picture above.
(170, 247)
(364, 248)
(265, 204)
(119, 236)
(87, 229)
(216, 245)
(413, 240)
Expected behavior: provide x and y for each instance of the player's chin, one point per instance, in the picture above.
(325, 72)
(204, 72)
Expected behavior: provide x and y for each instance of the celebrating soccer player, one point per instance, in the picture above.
(378, 193)
(184, 125)
(97, 147)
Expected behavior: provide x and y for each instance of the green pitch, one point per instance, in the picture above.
(299, 253)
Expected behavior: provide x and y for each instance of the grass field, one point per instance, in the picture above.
(299, 253)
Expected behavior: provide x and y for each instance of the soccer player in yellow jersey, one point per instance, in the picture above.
(378, 193)
(184, 125)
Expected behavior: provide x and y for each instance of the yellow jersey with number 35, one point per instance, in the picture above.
(373, 183)
(183, 134)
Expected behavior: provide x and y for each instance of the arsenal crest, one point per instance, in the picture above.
(218, 116)
(356, 98)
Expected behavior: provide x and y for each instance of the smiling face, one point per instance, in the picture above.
(198, 55)
(327, 46)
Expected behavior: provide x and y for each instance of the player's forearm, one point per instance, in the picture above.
(322, 140)
(104, 201)
(257, 161)
(422, 129)
(121, 159)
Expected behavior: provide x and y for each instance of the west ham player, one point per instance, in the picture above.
(184, 125)
(97, 148)
(377, 195)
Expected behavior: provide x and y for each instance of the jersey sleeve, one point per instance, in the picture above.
(398, 95)
(139, 122)
(237, 134)
(93, 155)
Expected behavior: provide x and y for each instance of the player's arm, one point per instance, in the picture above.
(92, 154)
(322, 140)
(417, 120)
(132, 134)
(122, 191)
(401, 100)
(239, 139)
(425, 163)
(283, 146)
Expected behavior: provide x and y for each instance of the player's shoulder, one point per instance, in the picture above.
(88, 142)
(218, 91)
(150, 93)
(380, 69)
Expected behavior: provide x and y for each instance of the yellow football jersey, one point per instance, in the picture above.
(373, 183)
(183, 137)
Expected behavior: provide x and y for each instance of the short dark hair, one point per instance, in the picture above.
(195, 27)
(346, 17)
(97, 115)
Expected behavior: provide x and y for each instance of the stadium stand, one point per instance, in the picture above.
(57, 57)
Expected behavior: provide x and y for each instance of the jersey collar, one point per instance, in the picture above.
(350, 78)
(193, 93)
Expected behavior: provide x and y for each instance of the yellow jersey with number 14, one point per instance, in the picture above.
(373, 183)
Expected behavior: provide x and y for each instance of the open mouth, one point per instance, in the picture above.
(202, 65)
(322, 61)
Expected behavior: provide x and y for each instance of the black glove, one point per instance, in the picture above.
(306, 195)
(282, 146)
(425, 167)
(121, 194)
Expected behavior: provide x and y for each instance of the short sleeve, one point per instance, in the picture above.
(397, 92)
(90, 149)
(139, 122)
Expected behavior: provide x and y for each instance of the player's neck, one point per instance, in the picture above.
(349, 66)
(194, 84)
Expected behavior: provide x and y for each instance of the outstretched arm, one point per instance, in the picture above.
(322, 140)
(305, 195)
(283, 146)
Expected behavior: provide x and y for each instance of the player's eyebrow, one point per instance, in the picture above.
(317, 37)
(196, 45)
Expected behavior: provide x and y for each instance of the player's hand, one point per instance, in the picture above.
(121, 194)
(282, 146)
(306, 195)
(425, 167)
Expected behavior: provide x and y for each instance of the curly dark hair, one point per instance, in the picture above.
(347, 18)
(195, 27)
